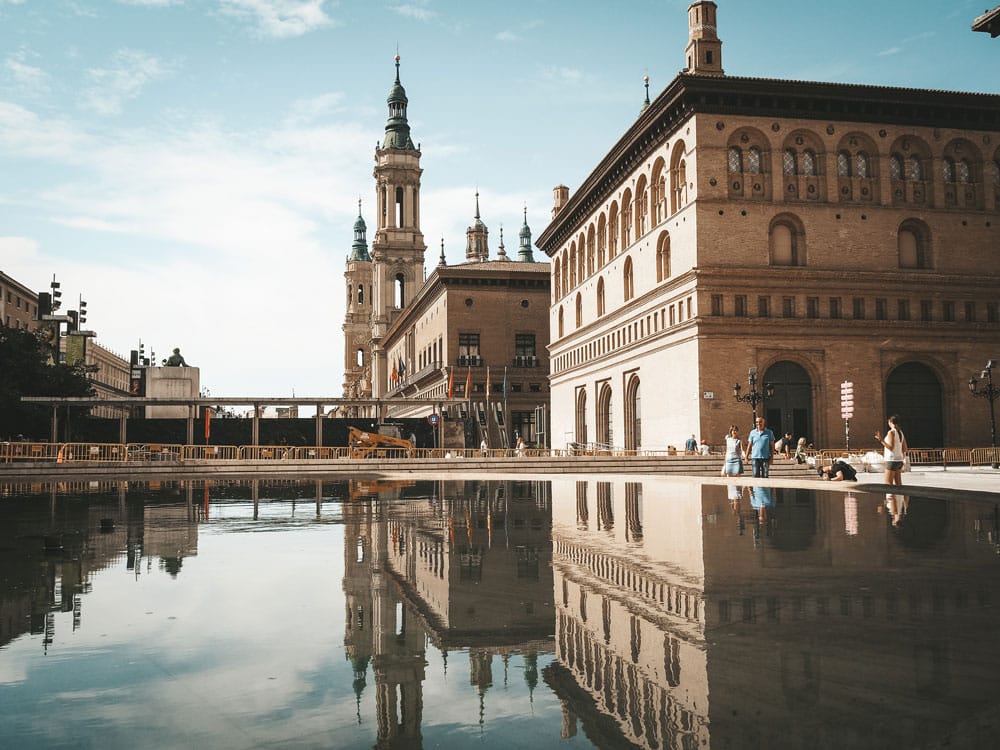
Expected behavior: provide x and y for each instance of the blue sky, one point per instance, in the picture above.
(192, 167)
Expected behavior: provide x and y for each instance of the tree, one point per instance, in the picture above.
(25, 371)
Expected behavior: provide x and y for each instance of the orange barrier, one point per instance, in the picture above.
(984, 456)
(320, 453)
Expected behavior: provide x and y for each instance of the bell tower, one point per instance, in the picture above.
(704, 48)
(398, 247)
(357, 318)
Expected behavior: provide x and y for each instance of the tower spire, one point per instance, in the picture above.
(524, 253)
(645, 104)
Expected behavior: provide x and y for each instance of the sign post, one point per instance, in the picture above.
(847, 408)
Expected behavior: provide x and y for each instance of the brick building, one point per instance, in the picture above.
(818, 232)
(18, 304)
(482, 323)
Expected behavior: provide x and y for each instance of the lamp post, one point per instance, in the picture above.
(753, 396)
(990, 393)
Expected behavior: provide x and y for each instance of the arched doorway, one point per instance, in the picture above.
(633, 415)
(581, 416)
(790, 409)
(914, 393)
(604, 433)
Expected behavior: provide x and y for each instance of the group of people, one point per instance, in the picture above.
(761, 446)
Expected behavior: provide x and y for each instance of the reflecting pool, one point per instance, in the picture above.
(611, 614)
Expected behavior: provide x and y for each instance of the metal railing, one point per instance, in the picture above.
(157, 452)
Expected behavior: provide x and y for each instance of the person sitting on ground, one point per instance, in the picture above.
(786, 445)
(838, 471)
(800, 451)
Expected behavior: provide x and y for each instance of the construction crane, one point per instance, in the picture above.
(374, 445)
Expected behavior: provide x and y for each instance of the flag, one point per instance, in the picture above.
(208, 423)
(402, 368)
(468, 383)
(451, 382)
(505, 382)
(394, 375)
(489, 386)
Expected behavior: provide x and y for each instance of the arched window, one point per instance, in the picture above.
(914, 170)
(560, 322)
(565, 274)
(809, 163)
(788, 161)
(591, 242)
(600, 297)
(572, 266)
(948, 170)
(581, 416)
(861, 165)
(633, 415)
(399, 289)
(735, 160)
(663, 258)
(913, 242)
(963, 172)
(626, 227)
(658, 188)
(843, 164)
(641, 206)
(581, 260)
(605, 435)
(602, 240)
(628, 280)
(787, 241)
(896, 167)
(359, 357)
(557, 278)
(579, 309)
(613, 231)
(754, 162)
(399, 207)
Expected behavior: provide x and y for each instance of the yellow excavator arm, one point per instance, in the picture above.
(374, 445)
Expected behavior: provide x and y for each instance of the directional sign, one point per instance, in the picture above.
(847, 399)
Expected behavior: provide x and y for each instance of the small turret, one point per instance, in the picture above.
(524, 253)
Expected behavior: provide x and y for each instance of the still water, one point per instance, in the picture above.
(562, 614)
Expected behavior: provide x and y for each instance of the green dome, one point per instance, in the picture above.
(397, 129)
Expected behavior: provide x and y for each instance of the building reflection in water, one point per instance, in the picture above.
(679, 615)
(768, 617)
(458, 565)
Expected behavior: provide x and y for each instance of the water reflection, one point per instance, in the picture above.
(582, 613)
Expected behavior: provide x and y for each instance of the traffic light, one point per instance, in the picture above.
(56, 294)
(83, 312)
(74, 324)
(44, 304)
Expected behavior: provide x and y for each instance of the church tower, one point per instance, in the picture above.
(398, 247)
(704, 48)
(357, 320)
(524, 253)
(477, 237)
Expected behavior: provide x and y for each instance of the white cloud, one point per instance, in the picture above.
(890, 51)
(35, 80)
(506, 36)
(563, 74)
(24, 133)
(152, 3)
(419, 12)
(280, 19)
(128, 74)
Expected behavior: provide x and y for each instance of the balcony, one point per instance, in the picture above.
(525, 361)
(470, 360)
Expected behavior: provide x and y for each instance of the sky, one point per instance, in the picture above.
(192, 168)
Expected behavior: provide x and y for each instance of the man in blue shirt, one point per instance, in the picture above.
(760, 446)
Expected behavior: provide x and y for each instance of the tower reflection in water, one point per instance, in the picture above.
(689, 616)
(458, 565)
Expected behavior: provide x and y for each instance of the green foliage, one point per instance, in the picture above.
(25, 371)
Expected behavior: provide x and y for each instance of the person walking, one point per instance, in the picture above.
(894, 449)
(760, 448)
(733, 464)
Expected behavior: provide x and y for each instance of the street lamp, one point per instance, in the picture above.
(990, 393)
(753, 397)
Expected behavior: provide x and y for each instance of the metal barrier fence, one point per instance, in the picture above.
(148, 452)
(28, 452)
